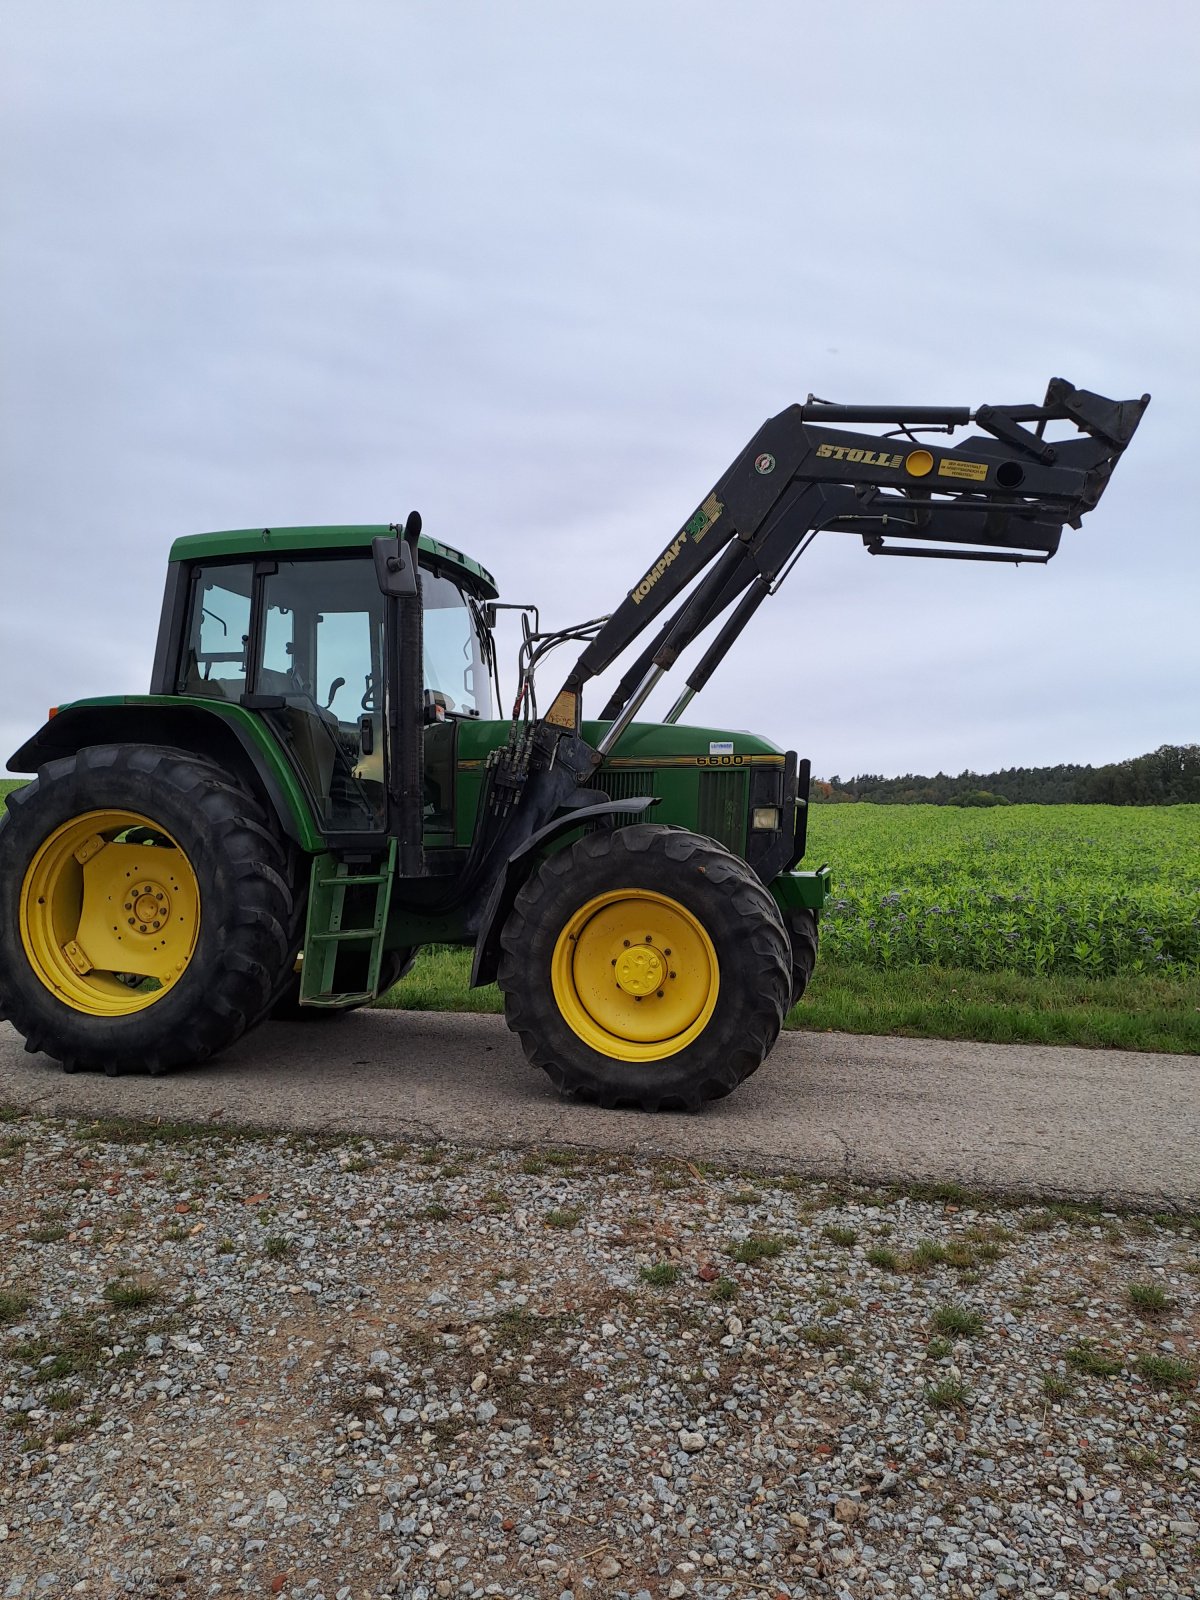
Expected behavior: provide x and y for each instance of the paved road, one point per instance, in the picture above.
(1083, 1124)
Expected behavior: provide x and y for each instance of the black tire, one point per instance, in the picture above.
(804, 936)
(243, 872)
(288, 1008)
(738, 916)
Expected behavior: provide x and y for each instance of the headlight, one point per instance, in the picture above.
(765, 817)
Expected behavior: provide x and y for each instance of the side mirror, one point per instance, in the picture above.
(395, 568)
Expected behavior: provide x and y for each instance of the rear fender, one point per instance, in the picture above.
(228, 734)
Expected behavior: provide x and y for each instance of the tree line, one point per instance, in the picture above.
(1167, 776)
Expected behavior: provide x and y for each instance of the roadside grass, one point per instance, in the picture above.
(1148, 1298)
(439, 982)
(1092, 1361)
(661, 1276)
(960, 1321)
(1125, 1013)
(14, 1303)
(951, 1394)
(755, 1249)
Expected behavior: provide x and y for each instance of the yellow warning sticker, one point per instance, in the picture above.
(564, 710)
(962, 469)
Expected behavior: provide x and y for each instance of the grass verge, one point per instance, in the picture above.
(920, 1003)
(1124, 1013)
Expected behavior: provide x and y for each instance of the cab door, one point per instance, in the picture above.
(317, 677)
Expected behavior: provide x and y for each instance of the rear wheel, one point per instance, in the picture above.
(645, 966)
(144, 910)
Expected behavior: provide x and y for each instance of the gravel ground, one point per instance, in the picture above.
(239, 1364)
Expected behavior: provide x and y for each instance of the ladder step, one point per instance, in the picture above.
(339, 945)
(340, 883)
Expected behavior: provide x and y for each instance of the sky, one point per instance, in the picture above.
(541, 270)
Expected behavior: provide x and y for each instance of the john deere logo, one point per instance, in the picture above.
(764, 464)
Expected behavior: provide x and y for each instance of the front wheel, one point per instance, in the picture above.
(803, 931)
(645, 966)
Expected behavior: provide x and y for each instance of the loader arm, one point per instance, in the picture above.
(1001, 495)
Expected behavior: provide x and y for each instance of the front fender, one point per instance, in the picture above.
(521, 864)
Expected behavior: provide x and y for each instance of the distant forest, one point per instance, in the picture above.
(1167, 776)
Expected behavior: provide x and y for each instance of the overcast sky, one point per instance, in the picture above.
(541, 270)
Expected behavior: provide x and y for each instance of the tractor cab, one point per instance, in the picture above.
(299, 637)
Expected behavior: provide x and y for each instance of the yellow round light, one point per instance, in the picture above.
(918, 463)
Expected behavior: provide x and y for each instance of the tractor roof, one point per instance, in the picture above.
(313, 541)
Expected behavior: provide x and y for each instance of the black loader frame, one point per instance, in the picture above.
(1001, 495)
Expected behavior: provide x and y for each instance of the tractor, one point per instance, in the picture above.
(318, 784)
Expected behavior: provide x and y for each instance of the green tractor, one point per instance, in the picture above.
(317, 783)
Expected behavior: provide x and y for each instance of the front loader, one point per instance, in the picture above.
(316, 785)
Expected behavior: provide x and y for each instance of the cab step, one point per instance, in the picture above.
(347, 924)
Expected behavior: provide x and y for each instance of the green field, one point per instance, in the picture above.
(1076, 891)
(1041, 924)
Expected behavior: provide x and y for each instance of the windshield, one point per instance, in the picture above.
(455, 670)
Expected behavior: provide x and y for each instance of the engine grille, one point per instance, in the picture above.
(623, 783)
(721, 808)
(720, 800)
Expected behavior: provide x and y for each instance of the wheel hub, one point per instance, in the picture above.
(640, 970)
(150, 907)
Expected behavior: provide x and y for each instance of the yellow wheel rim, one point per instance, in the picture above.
(109, 913)
(635, 975)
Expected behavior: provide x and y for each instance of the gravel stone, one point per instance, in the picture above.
(304, 1413)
